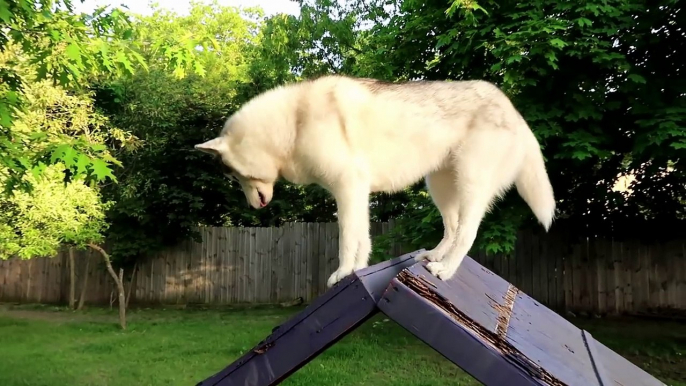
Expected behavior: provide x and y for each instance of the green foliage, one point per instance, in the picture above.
(53, 115)
(53, 214)
(39, 42)
(167, 186)
(596, 81)
(113, 97)
(57, 211)
(46, 40)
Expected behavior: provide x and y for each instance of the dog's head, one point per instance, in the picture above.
(245, 160)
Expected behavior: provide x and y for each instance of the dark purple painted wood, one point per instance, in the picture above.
(439, 330)
(621, 371)
(325, 321)
(457, 344)
(477, 320)
(499, 335)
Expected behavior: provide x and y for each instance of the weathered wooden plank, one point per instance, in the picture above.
(560, 271)
(284, 275)
(302, 261)
(312, 262)
(233, 264)
(681, 281)
(175, 267)
(568, 280)
(220, 261)
(321, 258)
(213, 265)
(202, 263)
(275, 264)
(519, 252)
(504, 266)
(587, 285)
(540, 260)
(253, 265)
(664, 274)
(4, 281)
(246, 249)
(288, 274)
(193, 273)
(617, 248)
(258, 261)
(512, 267)
(608, 269)
(187, 273)
(306, 250)
(598, 296)
(272, 258)
(334, 238)
(297, 261)
(548, 269)
(635, 260)
(643, 276)
(237, 236)
(501, 336)
(672, 274)
(248, 265)
(266, 269)
(296, 257)
(579, 288)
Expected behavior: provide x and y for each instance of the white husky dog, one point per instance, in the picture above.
(356, 136)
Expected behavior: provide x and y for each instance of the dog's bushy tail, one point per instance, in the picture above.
(533, 184)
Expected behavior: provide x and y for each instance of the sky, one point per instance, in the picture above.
(270, 7)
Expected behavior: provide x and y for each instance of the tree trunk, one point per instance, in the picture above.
(122, 296)
(118, 280)
(84, 285)
(72, 279)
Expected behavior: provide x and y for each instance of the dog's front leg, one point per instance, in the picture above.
(354, 245)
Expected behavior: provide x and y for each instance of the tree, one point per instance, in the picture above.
(594, 80)
(168, 187)
(56, 214)
(46, 40)
(63, 206)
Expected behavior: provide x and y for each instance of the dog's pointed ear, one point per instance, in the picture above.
(214, 146)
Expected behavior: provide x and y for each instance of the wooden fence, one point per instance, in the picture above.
(230, 265)
(270, 265)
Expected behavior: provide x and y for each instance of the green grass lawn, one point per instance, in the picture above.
(47, 346)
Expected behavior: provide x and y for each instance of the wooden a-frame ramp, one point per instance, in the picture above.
(477, 320)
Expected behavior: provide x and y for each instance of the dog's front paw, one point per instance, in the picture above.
(337, 276)
(441, 270)
(431, 255)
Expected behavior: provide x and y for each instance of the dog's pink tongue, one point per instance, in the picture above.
(262, 204)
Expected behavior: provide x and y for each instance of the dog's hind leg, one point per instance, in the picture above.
(472, 208)
(442, 186)
(486, 166)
